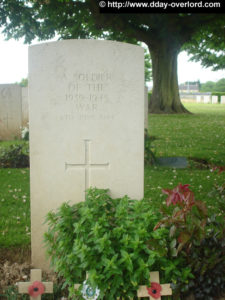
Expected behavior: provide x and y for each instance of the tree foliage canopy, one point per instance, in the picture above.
(211, 86)
(208, 45)
(82, 19)
(165, 35)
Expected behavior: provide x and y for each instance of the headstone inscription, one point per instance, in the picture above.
(81, 132)
(10, 111)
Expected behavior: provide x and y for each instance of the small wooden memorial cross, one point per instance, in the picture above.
(157, 290)
(35, 286)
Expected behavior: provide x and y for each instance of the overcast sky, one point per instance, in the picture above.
(14, 65)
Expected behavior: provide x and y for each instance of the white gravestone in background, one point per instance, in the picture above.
(199, 99)
(10, 111)
(25, 107)
(214, 99)
(86, 102)
(207, 99)
(146, 107)
(222, 100)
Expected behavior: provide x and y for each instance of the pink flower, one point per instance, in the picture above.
(36, 288)
(154, 290)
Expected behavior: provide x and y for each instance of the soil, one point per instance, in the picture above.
(200, 163)
(15, 255)
(15, 266)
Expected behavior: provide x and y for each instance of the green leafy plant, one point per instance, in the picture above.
(149, 157)
(110, 239)
(207, 261)
(15, 156)
(11, 293)
(187, 219)
(199, 240)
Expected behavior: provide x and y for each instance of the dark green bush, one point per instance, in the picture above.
(219, 94)
(15, 156)
(207, 261)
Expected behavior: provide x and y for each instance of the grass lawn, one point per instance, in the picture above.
(14, 208)
(200, 135)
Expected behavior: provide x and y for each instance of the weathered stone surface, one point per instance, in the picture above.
(25, 107)
(86, 102)
(173, 162)
(10, 111)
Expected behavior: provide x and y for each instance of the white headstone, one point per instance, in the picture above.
(86, 102)
(10, 111)
(222, 100)
(25, 107)
(146, 107)
(214, 99)
(207, 99)
(199, 99)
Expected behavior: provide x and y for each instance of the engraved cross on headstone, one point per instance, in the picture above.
(87, 165)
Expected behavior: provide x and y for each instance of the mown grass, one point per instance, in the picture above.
(14, 208)
(200, 135)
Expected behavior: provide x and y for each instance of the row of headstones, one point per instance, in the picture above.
(13, 110)
(36, 288)
(210, 99)
(202, 98)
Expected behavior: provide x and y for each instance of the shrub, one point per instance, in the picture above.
(199, 240)
(207, 261)
(16, 156)
(219, 94)
(110, 239)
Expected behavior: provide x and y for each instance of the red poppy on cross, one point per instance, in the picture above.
(156, 290)
(35, 288)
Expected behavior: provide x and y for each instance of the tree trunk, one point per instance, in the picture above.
(165, 97)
